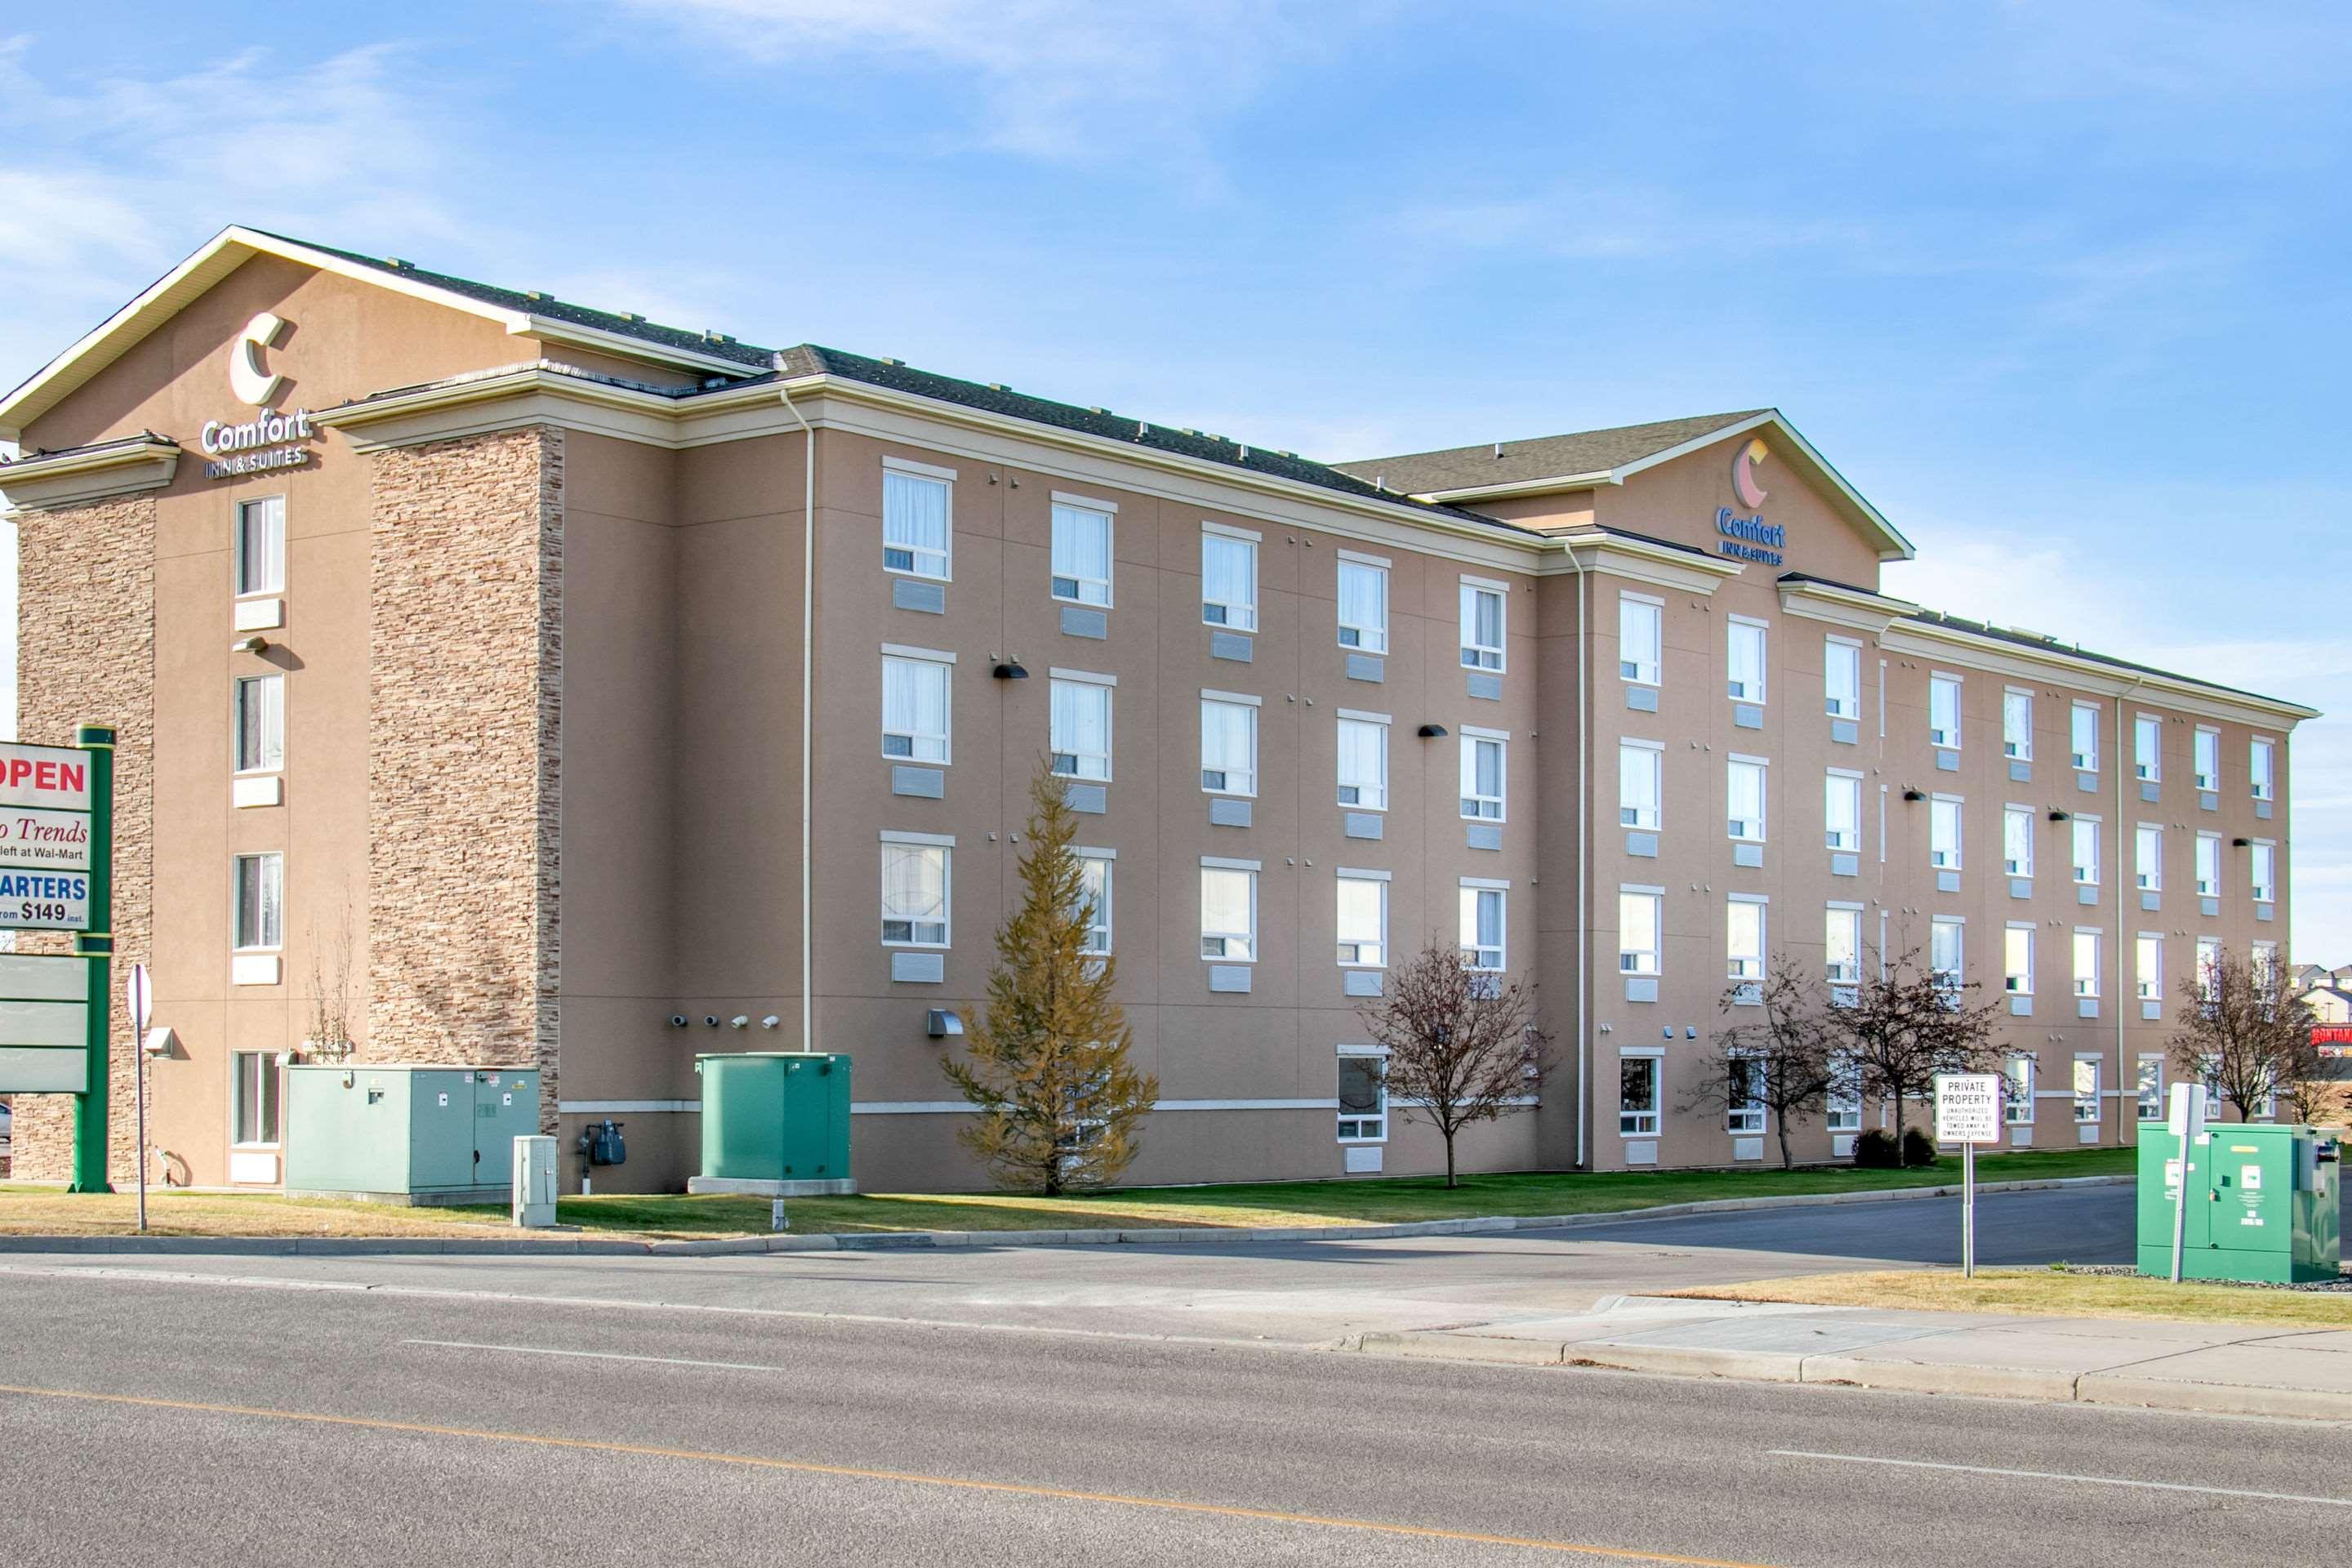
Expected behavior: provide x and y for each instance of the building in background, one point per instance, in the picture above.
(458, 637)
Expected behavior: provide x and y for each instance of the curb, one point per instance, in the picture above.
(882, 1241)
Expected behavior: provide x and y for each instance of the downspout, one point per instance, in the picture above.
(1583, 862)
(808, 715)
(2137, 681)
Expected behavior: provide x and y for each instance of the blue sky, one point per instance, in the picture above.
(2060, 287)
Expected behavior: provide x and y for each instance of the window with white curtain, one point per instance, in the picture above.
(1944, 709)
(1081, 553)
(1482, 927)
(2206, 760)
(2086, 851)
(1228, 580)
(2018, 951)
(2086, 737)
(1944, 832)
(1481, 777)
(1744, 791)
(1363, 603)
(915, 708)
(2148, 747)
(1638, 915)
(2262, 757)
(2017, 1099)
(1841, 811)
(2261, 863)
(1744, 939)
(1640, 784)
(1080, 721)
(1842, 937)
(2017, 840)
(1363, 760)
(1945, 951)
(1747, 660)
(2149, 858)
(1842, 679)
(2087, 964)
(261, 545)
(2208, 865)
(1640, 638)
(1093, 897)
(914, 894)
(2148, 952)
(1228, 913)
(1363, 920)
(1228, 746)
(1482, 625)
(260, 722)
(260, 901)
(914, 509)
(2017, 724)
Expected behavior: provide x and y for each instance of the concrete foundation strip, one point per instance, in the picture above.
(608, 1247)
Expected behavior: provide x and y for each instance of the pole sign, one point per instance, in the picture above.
(1968, 1108)
(45, 838)
(2186, 1122)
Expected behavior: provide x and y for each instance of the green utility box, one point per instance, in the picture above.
(775, 1124)
(2261, 1203)
(398, 1134)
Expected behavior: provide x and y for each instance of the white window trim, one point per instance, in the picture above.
(1487, 885)
(2098, 843)
(1239, 700)
(1254, 539)
(235, 877)
(947, 889)
(1110, 860)
(1764, 670)
(1110, 549)
(237, 684)
(1502, 592)
(2006, 693)
(2260, 789)
(2098, 963)
(1658, 679)
(1959, 701)
(923, 471)
(1657, 1112)
(1659, 748)
(2138, 980)
(2156, 762)
(2033, 957)
(947, 737)
(1658, 953)
(1503, 801)
(1233, 531)
(236, 1086)
(1764, 956)
(1351, 874)
(1763, 825)
(1380, 1053)
(2098, 751)
(1225, 863)
(2196, 858)
(1361, 716)
(2140, 881)
(1092, 504)
(236, 548)
(2208, 783)
(1833, 640)
(1385, 567)
(1111, 722)
(1856, 847)
(1843, 905)
(927, 471)
(2257, 896)
(1960, 831)
(2033, 815)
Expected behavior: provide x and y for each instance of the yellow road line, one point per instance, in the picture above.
(906, 1478)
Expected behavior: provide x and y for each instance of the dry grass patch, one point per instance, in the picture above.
(2050, 1293)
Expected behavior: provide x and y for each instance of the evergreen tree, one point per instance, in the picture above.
(1060, 1108)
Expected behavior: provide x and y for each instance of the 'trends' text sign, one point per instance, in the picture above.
(53, 777)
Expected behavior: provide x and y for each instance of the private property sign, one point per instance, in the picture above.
(1968, 1108)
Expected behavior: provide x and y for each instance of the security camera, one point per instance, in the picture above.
(738, 1021)
(678, 1020)
(711, 1019)
(770, 1022)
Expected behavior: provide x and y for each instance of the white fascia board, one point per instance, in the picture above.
(623, 346)
(1640, 562)
(523, 395)
(1844, 606)
(64, 478)
(1934, 639)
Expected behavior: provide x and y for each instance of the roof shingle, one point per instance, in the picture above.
(1545, 457)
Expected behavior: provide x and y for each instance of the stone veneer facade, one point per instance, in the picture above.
(466, 605)
(87, 574)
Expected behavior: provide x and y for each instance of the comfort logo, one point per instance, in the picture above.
(1743, 474)
(252, 380)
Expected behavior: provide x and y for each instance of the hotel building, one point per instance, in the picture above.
(559, 674)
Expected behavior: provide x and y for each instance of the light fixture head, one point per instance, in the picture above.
(1433, 731)
(1010, 671)
(250, 644)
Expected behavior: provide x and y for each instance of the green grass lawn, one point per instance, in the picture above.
(25, 1210)
(2048, 1292)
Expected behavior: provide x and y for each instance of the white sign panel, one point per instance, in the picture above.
(45, 840)
(1968, 1108)
(32, 1070)
(2187, 1118)
(45, 1023)
(44, 901)
(51, 778)
(29, 978)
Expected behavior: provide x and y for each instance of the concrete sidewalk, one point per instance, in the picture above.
(2236, 1370)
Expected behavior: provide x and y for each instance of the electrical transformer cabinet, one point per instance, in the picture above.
(775, 1124)
(2262, 1205)
(402, 1135)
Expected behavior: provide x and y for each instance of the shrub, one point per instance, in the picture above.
(1918, 1149)
(1876, 1151)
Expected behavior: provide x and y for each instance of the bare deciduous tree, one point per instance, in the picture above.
(1778, 1057)
(332, 954)
(2242, 1030)
(1905, 1024)
(1464, 1044)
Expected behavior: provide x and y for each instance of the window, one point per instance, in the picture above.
(1746, 794)
(1639, 640)
(2017, 724)
(2149, 956)
(2086, 737)
(1747, 660)
(2087, 1091)
(2206, 760)
(1844, 1102)
(1363, 603)
(1843, 937)
(1363, 760)
(2208, 959)
(1078, 727)
(260, 548)
(1841, 811)
(2262, 871)
(260, 897)
(1842, 679)
(1744, 939)
(260, 719)
(2208, 865)
(2017, 1102)
(1229, 912)
(2149, 1089)
(2017, 840)
(2263, 961)
(1228, 744)
(2148, 861)
(257, 1098)
(1944, 952)
(2147, 748)
(915, 706)
(1944, 832)
(1638, 911)
(1482, 926)
(915, 521)
(1944, 709)
(1363, 919)
(2260, 758)
(914, 892)
(2087, 964)
(1482, 625)
(1229, 579)
(2086, 851)
(1095, 868)
(1640, 770)
(1637, 1096)
(1363, 1095)
(1481, 774)
(2018, 961)
(1081, 553)
(1743, 1112)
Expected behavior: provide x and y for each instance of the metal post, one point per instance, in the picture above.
(139, 1093)
(1968, 1209)
(97, 945)
(2180, 1207)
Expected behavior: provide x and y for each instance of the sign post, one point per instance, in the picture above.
(1967, 1112)
(94, 941)
(56, 873)
(2186, 1122)
(142, 1006)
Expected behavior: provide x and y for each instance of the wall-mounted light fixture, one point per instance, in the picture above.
(1010, 671)
(2242, 844)
(943, 1024)
(1912, 794)
(250, 644)
(1433, 731)
(2058, 816)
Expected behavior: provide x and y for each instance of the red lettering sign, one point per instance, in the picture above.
(2331, 1034)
